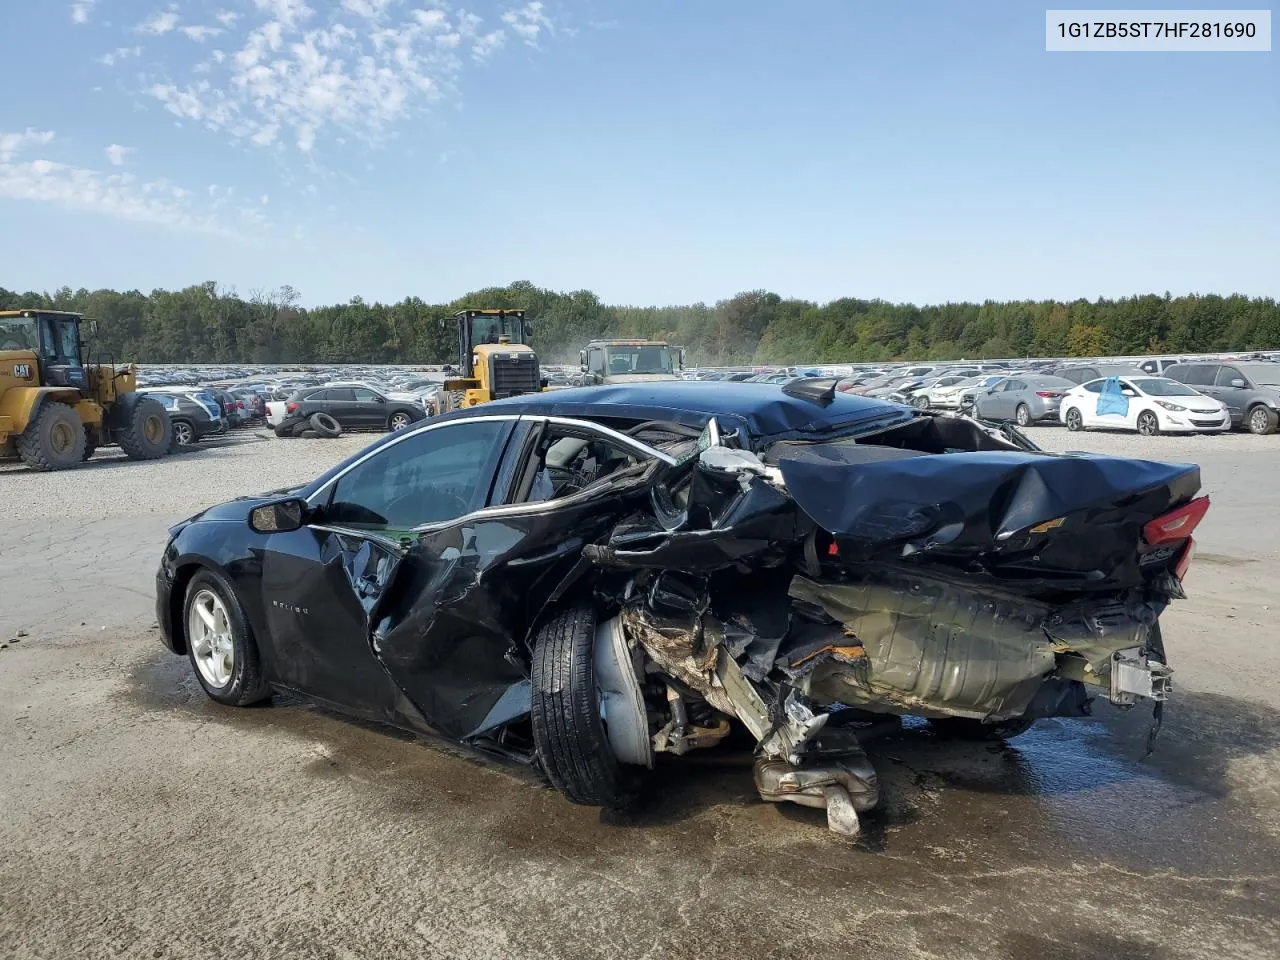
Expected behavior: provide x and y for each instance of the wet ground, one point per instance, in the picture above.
(139, 819)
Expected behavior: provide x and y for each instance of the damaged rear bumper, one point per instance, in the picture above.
(840, 579)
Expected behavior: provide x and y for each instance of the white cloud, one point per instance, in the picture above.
(527, 22)
(289, 74)
(118, 54)
(200, 34)
(12, 144)
(116, 194)
(487, 45)
(160, 23)
(81, 9)
(118, 154)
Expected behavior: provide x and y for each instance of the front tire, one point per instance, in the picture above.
(220, 642)
(1148, 424)
(399, 420)
(921, 402)
(53, 440)
(571, 742)
(147, 432)
(1261, 420)
(1075, 422)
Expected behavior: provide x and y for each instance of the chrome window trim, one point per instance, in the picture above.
(590, 425)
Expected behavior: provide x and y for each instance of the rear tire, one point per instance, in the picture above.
(53, 440)
(324, 425)
(1023, 415)
(962, 728)
(1075, 422)
(184, 434)
(147, 432)
(1261, 420)
(571, 742)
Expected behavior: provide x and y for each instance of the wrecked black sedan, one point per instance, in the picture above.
(582, 579)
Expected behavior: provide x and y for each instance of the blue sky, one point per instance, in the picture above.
(654, 151)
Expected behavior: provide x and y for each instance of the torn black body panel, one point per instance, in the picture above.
(1046, 522)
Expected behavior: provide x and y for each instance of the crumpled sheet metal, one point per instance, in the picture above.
(684, 647)
(970, 501)
(934, 648)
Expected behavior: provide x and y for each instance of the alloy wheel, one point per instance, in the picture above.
(209, 633)
(182, 434)
(1148, 425)
(1259, 421)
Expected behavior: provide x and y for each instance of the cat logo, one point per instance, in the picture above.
(22, 371)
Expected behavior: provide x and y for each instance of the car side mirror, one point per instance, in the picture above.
(582, 360)
(279, 517)
(379, 399)
(1238, 384)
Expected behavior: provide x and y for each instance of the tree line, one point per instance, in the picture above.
(209, 323)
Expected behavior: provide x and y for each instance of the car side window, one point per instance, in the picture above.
(430, 477)
(570, 459)
(1202, 374)
(340, 393)
(1226, 375)
(365, 396)
(1015, 385)
(1095, 387)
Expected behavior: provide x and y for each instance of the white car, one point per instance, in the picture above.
(944, 392)
(1149, 405)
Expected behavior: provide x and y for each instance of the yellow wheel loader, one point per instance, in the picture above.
(55, 409)
(494, 358)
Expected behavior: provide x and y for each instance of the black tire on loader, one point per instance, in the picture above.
(53, 440)
(90, 443)
(142, 427)
(572, 745)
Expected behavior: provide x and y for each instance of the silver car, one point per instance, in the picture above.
(1024, 398)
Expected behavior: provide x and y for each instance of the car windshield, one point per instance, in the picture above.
(639, 359)
(18, 333)
(1164, 388)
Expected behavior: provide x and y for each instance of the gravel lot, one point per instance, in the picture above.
(141, 820)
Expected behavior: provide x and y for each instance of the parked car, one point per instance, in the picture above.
(1023, 398)
(1079, 373)
(580, 580)
(928, 394)
(1250, 391)
(354, 408)
(193, 419)
(1156, 366)
(962, 394)
(233, 407)
(254, 399)
(1149, 405)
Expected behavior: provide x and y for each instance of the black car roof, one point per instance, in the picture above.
(764, 408)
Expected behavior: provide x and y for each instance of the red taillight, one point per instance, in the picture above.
(239, 404)
(1184, 561)
(1177, 524)
(1049, 394)
(291, 408)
